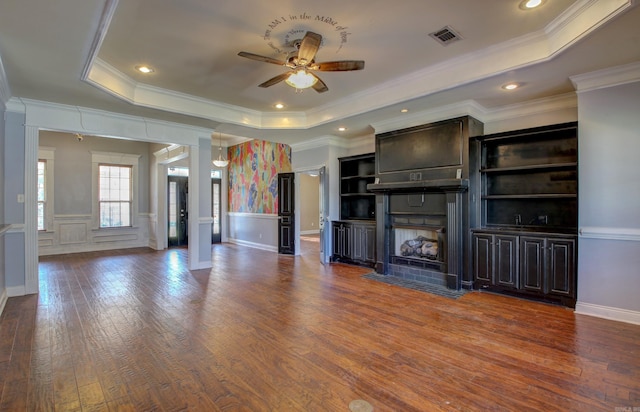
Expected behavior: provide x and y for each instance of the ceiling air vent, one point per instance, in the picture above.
(445, 35)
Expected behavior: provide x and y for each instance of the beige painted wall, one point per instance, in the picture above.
(309, 203)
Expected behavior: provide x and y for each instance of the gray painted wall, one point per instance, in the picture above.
(609, 195)
(73, 169)
(309, 203)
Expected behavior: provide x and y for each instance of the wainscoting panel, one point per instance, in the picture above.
(73, 234)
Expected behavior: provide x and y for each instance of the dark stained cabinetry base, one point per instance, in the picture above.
(354, 242)
(526, 243)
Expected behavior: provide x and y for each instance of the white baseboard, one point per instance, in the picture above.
(254, 245)
(309, 232)
(16, 291)
(3, 300)
(607, 312)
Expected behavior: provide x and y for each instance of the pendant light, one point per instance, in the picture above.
(220, 161)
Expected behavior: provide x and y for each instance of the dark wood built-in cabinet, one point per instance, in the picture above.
(526, 241)
(354, 235)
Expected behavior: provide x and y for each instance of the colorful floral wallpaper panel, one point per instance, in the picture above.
(253, 175)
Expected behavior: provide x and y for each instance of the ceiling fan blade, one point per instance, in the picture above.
(338, 66)
(319, 86)
(275, 80)
(261, 58)
(308, 48)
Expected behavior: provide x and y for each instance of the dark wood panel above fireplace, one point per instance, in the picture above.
(434, 151)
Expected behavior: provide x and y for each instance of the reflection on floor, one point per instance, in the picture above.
(310, 244)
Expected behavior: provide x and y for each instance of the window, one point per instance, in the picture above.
(114, 190)
(115, 197)
(45, 188)
(42, 193)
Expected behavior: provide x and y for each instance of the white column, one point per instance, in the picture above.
(200, 219)
(31, 209)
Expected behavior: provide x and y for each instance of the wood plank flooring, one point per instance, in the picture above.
(134, 330)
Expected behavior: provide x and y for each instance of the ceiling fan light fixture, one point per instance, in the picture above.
(301, 79)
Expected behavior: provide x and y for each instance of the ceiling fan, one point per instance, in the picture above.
(302, 65)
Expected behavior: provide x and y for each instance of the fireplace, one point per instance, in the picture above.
(422, 231)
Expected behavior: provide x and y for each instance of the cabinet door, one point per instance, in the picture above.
(506, 264)
(370, 244)
(338, 239)
(359, 242)
(532, 263)
(483, 258)
(561, 267)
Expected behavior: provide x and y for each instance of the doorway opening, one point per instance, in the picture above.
(312, 202)
(177, 210)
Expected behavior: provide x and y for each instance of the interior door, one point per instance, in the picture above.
(286, 214)
(178, 189)
(323, 209)
(216, 227)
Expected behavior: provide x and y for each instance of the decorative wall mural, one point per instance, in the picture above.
(253, 175)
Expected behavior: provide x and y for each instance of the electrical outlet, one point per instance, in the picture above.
(260, 236)
(20, 198)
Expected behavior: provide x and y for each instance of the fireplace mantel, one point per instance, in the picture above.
(440, 185)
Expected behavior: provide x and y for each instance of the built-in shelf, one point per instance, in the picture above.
(549, 166)
(532, 196)
(356, 201)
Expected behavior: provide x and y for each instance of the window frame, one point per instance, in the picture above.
(47, 155)
(114, 159)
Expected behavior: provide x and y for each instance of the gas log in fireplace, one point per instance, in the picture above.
(422, 202)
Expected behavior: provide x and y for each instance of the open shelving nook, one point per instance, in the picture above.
(529, 179)
(356, 202)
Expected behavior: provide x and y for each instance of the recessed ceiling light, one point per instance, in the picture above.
(144, 69)
(531, 4)
(511, 86)
(342, 129)
(404, 110)
(279, 106)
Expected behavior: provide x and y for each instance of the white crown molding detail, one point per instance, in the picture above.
(608, 312)
(610, 233)
(578, 21)
(103, 27)
(530, 108)
(465, 108)
(320, 142)
(614, 76)
(5, 91)
(74, 119)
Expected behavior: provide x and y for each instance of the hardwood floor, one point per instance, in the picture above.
(135, 330)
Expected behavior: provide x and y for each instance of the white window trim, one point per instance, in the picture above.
(48, 155)
(117, 159)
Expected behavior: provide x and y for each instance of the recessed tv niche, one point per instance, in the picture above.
(436, 150)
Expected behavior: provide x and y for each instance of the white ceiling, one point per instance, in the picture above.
(83, 53)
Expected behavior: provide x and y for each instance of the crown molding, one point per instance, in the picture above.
(75, 119)
(613, 76)
(465, 108)
(320, 142)
(103, 27)
(577, 21)
(530, 108)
